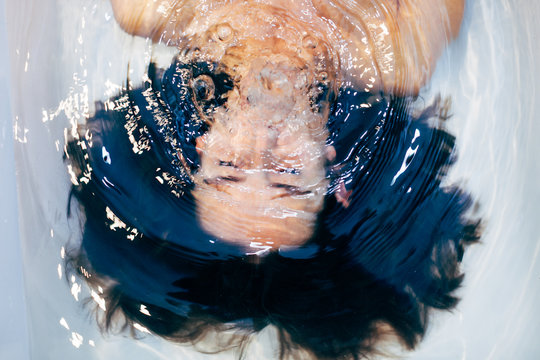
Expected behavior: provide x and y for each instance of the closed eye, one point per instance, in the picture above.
(221, 179)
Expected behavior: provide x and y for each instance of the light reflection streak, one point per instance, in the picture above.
(408, 158)
(73, 176)
(76, 289)
(26, 62)
(19, 133)
(117, 223)
(107, 183)
(144, 310)
(141, 328)
(163, 9)
(59, 269)
(45, 117)
(64, 323)
(384, 29)
(106, 156)
(99, 300)
(85, 272)
(76, 339)
(112, 88)
(258, 245)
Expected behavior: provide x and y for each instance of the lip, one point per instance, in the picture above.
(290, 190)
(279, 190)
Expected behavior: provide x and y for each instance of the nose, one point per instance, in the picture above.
(252, 145)
(275, 79)
(268, 101)
(271, 89)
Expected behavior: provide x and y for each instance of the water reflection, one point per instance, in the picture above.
(278, 172)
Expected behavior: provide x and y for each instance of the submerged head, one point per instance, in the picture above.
(262, 174)
(393, 256)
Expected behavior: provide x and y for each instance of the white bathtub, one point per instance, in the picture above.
(491, 74)
(13, 336)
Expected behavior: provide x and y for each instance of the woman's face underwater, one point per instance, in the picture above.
(262, 162)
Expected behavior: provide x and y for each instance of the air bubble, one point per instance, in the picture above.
(309, 42)
(301, 81)
(224, 32)
(203, 88)
(323, 77)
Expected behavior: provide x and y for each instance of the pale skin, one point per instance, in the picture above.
(262, 174)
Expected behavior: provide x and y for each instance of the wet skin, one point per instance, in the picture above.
(262, 163)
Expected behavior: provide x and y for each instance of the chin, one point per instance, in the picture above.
(253, 222)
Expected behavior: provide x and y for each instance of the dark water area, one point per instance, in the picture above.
(386, 249)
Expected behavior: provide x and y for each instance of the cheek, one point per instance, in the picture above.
(213, 145)
(200, 145)
(302, 154)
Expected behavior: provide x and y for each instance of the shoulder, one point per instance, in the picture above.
(154, 19)
(422, 30)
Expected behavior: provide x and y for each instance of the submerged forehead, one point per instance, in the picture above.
(259, 20)
(239, 33)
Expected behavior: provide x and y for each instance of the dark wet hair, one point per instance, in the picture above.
(380, 263)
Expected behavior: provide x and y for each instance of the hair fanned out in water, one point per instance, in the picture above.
(374, 267)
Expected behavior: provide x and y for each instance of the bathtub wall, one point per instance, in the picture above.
(13, 331)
